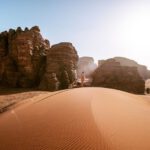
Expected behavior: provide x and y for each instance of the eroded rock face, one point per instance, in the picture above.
(143, 71)
(3, 44)
(22, 57)
(111, 74)
(86, 65)
(61, 61)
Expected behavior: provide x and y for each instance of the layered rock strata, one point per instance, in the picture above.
(22, 57)
(62, 61)
(111, 74)
(143, 71)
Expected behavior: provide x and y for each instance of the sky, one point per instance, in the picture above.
(98, 28)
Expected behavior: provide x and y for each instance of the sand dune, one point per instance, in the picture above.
(78, 119)
(11, 97)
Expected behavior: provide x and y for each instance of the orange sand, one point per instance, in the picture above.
(78, 119)
(11, 97)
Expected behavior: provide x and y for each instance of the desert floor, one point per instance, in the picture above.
(77, 119)
(11, 97)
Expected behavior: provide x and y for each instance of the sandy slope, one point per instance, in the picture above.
(10, 98)
(78, 119)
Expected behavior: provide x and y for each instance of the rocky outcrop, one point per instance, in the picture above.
(143, 71)
(22, 57)
(111, 74)
(86, 65)
(26, 60)
(61, 66)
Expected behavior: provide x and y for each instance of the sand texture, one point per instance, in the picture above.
(78, 119)
(9, 98)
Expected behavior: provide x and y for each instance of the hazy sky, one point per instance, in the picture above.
(97, 28)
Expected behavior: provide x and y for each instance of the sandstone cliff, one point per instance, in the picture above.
(111, 74)
(22, 57)
(27, 60)
(143, 71)
(61, 67)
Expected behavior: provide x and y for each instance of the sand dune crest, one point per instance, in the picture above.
(78, 119)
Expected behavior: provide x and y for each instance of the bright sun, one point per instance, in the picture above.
(136, 30)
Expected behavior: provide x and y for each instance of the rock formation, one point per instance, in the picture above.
(26, 60)
(86, 65)
(111, 74)
(22, 57)
(61, 61)
(143, 71)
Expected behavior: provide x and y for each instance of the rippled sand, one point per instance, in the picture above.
(78, 119)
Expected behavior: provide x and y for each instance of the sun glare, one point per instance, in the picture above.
(136, 30)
